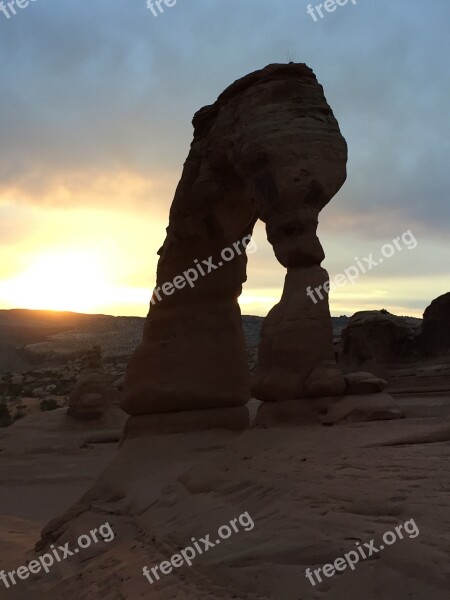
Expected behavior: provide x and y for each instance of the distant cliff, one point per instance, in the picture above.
(30, 338)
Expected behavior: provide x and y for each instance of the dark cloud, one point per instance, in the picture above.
(98, 87)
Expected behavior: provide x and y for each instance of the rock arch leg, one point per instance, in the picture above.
(296, 353)
(193, 352)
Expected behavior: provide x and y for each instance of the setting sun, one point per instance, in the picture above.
(72, 280)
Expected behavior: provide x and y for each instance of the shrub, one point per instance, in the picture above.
(5, 416)
(48, 404)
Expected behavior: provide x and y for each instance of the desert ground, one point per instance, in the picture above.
(313, 489)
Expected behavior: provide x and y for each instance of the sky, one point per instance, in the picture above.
(97, 98)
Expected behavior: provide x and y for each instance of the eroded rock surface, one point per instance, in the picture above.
(93, 394)
(268, 148)
(435, 334)
(311, 491)
(364, 383)
(296, 354)
(373, 340)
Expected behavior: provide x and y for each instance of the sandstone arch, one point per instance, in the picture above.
(269, 148)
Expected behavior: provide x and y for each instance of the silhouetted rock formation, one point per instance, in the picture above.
(375, 339)
(268, 148)
(435, 334)
(364, 383)
(93, 393)
(296, 353)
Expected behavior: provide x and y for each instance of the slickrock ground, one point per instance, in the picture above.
(312, 492)
(46, 460)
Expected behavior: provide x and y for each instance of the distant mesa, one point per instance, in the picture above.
(39, 339)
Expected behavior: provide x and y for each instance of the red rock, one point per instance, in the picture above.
(93, 394)
(435, 334)
(373, 340)
(268, 148)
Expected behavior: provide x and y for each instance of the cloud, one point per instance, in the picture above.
(98, 97)
(120, 97)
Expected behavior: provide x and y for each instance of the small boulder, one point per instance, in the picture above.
(359, 409)
(364, 383)
(93, 393)
(325, 380)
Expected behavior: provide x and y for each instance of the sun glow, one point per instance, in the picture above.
(74, 281)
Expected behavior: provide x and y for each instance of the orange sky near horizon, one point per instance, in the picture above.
(96, 123)
(104, 261)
